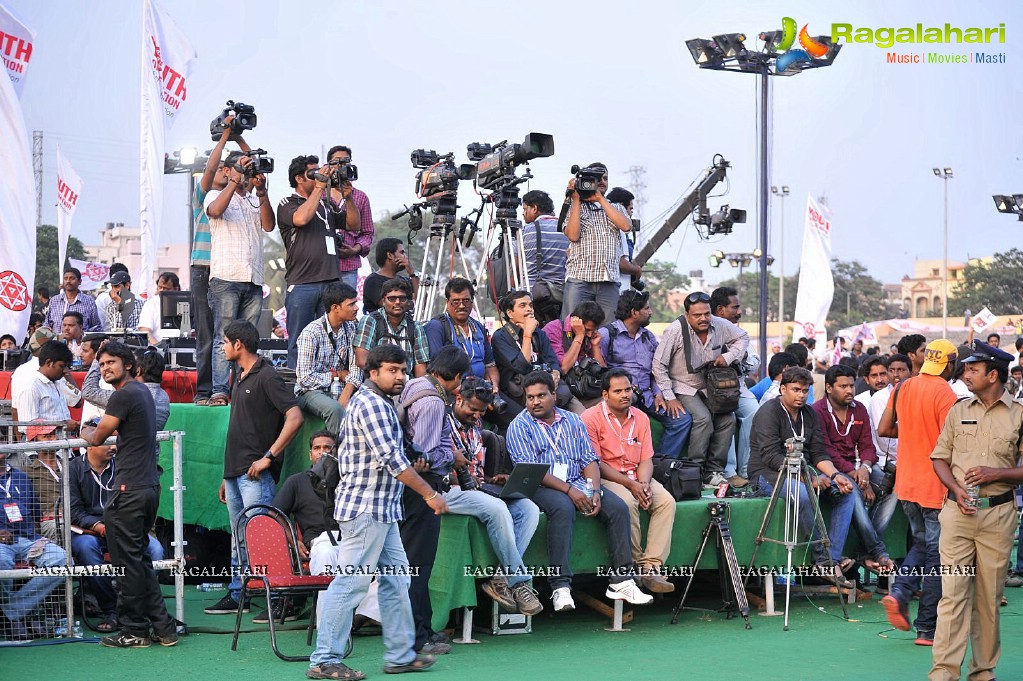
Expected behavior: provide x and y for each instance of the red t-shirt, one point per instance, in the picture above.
(923, 403)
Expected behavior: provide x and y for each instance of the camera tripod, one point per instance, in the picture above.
(795, 471)
(732, 589)
(504, 236)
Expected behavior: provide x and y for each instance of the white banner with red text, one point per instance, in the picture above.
(16, 41)
(69, 187)
(816, 285)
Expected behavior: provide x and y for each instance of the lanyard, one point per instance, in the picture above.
(792, 424)
(469, 344)
(558, 455)
(513, 331)
(99, 480)
(622, 441)
(7, 487)
(53, 473)
(848, 424)
(333, 342)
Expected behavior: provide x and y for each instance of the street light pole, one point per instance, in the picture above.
(944, 174)
(781, 194)
(765, 183)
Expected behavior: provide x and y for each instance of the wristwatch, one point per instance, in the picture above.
(269, 455)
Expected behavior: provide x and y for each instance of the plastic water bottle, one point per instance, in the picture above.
(972, 495)
(335, 388)
(76, 632)
(588, 489)
(211, 586)
(60, 631)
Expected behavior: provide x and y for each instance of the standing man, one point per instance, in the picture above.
(546, 249)
(594, 228)
(391, 258)
(374, 472)
(151, 318)
(357, 240)
(980, 447)
(72, 299)
(713, 340)
(236, 260)
(123, 310)
(915, 414)
(899, 368)
(264, 419)
(131, 510)
(914, 346)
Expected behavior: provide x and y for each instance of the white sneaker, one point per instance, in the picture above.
(562, 599)
(716, 479)
(627, 591)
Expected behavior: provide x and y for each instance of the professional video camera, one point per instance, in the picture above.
(496, 163)
(722, 221)
(587, 180)
(244, 119)
(340, 171)
(261, 164)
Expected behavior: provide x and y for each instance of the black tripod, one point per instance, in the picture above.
(732, 589)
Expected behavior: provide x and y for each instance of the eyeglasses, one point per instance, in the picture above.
(396, 299)
(460, 302)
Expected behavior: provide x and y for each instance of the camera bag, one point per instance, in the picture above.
(721, 383)
(682, 479)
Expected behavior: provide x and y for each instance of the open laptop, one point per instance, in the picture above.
(522, 483)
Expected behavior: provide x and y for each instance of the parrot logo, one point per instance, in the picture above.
(809, 48)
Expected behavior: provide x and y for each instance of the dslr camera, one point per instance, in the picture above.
(587, 180)
(244, 119)
(342, 171)
(887, 484)
(261, 164)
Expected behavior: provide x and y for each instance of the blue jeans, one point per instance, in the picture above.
(676, 432)
(202, 320)
(367, 542)
(88, 549)
(351, 278)
(22, 602)
(323, 406)
(838, 528)
(738, 456)
(507, 533)
(884, 506)
(304, 304)
(241, 492)
(603, 293)
(230, 300)
(869, 536)
(923, 523)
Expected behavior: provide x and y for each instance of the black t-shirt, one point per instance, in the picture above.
(136, 436)
(259, 401)
(371, 291)
(297, 497)
(308, 260)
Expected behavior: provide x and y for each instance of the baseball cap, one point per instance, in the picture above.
(39, 337)
(982, 352)
(32, 432)
(119, 278)
(937, 355)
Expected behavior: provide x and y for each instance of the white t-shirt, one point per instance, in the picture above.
(887, 447)
(149, 318)
(102, 303)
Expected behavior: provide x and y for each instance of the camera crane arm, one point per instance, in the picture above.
(697, 199)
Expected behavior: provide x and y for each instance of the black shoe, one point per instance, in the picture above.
(168, 639)
(225, 606)
(291, 613)
(125, 640)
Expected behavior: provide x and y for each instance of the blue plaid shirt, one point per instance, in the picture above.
(409, 336)
(370, 458)
(567, 441)
(320, 351)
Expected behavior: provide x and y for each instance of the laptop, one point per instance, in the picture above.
(522, 483)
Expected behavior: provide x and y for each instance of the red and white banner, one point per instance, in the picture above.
(16, 41)
(94, 274)
(69, 187)
(816, 285)
(17, 185)
(167, 59)
(982, 320)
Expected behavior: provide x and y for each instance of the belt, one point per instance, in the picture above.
(439, 483)
(997, 500)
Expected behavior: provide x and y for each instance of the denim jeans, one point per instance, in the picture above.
(709, 435)
(838, 528)
(88, 549)
(304, 305)
(202, 320)
(884, 506)
(738, 456)
(561, 515)
(351, 278)
(676, 432)
(923, 523)
(323, 406)
(603, 293)
(16, 605)
(869, 536)
(230, 300)
(367, 542)
(242, 492)
(506, 532)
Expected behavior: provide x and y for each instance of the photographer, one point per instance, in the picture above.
(358, 237)
(594, 228)
(540, 233)
(310, 229)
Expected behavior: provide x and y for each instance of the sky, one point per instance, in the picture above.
(609, 81)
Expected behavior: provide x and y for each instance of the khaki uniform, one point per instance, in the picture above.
(975, 436)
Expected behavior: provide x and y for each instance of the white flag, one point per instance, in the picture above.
(17, 194)
(167, 59)
(816, 285)
(15, 47)
(69, 187)
(94, 274)
(982, 320)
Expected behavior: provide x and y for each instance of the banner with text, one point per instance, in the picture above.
(816, 285)
(16, 41)
(69, 187)
(94, 274)
(167, 59)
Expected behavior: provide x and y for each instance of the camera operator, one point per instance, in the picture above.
(236, 258)
(357, 240)
(545, 252)
(310, 227)
(630, 273)
(594, 228)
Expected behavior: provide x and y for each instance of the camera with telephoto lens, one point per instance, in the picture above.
(466, 482)
(591, 366)
(261, 164)
(244, 119)
(887, 484)
(499, 405)
(342, 171)
(587, 181)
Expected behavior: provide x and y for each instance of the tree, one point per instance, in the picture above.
(273, 273)
(48, 274)
(667, 288)
(995, 285)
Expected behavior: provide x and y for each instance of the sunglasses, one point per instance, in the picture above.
(396, 299)
(698, 297)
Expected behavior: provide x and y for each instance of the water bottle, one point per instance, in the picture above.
(335, 388)
(60, 631)
(588, 489)
(972, 495)
(76, 632)
(211, 586)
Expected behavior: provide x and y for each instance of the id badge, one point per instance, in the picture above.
(330, 244)
(13, 513)
(560, 471)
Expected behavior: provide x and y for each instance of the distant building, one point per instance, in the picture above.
(124, 244)
(921, 293)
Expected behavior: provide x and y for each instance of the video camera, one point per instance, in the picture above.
(261, 164)
(722, 221)
(587, 181)
(244, 119)
(340, 171)
(439, 174)
(496, 163)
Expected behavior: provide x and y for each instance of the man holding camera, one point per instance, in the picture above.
(310, 229)
(236, 257)
(357, 239)
(594, 229)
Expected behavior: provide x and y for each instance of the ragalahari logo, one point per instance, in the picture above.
(811, 48)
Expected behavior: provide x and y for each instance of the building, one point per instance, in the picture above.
(124, 245)
(921, 293)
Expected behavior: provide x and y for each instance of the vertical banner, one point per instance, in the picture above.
(167, 59)
(816, 285)
(69, 186)
(17, 186)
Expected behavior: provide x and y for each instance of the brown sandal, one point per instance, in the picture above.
(217, 401)
(334, 671)
(420, 664)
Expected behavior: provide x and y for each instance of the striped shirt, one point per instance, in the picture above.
(370, 458)
(595, 257)
(321, 351)
(375, 329)
(566, 442)
(84, 303)
(553, 250)
(201, 240)
(237, 239)
(364, 237)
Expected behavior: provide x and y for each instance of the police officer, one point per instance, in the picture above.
(976, 453)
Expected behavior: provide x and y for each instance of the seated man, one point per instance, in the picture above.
(325, 357)
(150, 317)
(845, 425)
(779, 426)
(89, 479)
(72, 333)
(43, 469)
(543, 433)
(510, 523)
(20, 542)
(391, 258)
(628, 344)
(777, 364)
(393, 324)
(575, 341)
(620, 434)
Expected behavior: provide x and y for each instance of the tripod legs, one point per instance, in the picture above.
(732, 590)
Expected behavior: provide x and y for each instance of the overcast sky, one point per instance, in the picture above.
(611, 81)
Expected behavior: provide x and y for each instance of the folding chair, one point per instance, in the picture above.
(266, 540)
